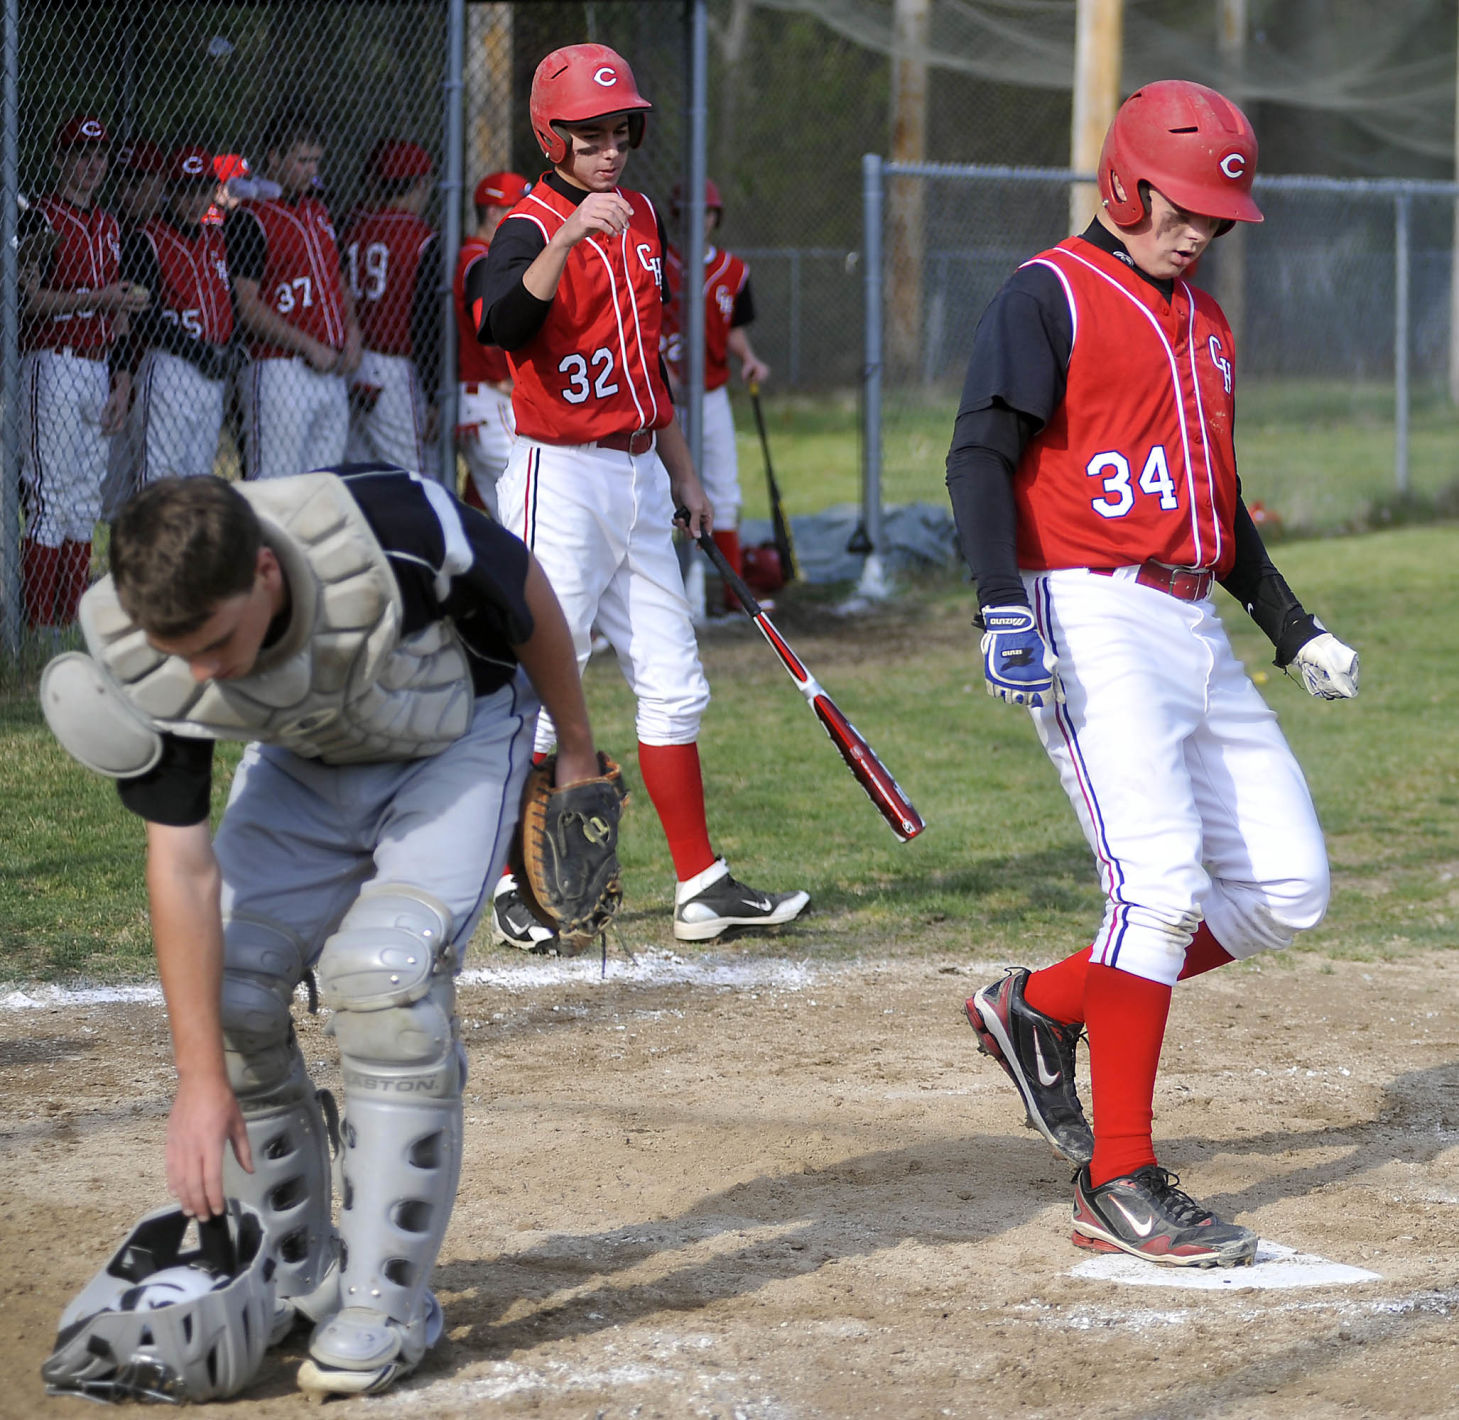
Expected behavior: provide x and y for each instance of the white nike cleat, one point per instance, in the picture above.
(714, 902)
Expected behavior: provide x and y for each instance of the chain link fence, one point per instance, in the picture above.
(1340, 300)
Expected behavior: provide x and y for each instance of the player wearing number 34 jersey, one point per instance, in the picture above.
(1093, 476)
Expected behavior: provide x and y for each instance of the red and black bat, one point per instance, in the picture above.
(784, 548)
(861, 759)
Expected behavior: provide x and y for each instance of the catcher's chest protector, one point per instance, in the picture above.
(342, 685)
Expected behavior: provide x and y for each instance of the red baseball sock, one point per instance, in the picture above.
(40, 579)
(1204, 954)
(75, 578)
(672, 778)
(728, 542)
(1058, 991)
(1125, 1017)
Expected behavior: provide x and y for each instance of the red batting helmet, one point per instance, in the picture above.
(762, 568)
(1188, 142)
(712, 199)
(501, 190)
(578, 83)
(396, 159)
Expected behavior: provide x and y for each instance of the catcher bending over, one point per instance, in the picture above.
(386, 649)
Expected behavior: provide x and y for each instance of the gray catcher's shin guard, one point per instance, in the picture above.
(290, 1185)
(389, 976)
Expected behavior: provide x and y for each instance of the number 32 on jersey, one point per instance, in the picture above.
(1114, 470)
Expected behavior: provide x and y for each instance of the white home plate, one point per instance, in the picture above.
(1275, 1267)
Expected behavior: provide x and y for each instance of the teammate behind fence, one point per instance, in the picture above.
(484, 429)
(385, 649)
(729, 307)
(182, 341)
(1093, 476)
(393, 258)
(573, 290)
(73, 403)
(295, 309)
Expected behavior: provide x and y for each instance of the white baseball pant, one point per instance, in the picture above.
(1182, 781)
(719, 459)
(393, 429)
(488, 429)
(178, 413)
(64, 455)
(294, 418)
(600, 522)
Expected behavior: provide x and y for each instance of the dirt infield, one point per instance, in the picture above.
(742, 1188)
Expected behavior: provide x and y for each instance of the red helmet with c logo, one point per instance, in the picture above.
(1189, 142)
(578, 83)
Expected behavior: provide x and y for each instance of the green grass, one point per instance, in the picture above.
(1001, 872)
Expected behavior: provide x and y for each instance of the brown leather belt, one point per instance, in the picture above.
(638, 442)
(1185, 583)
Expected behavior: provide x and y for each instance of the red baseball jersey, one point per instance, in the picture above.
(301, 271)
(195, 292)
(475, 363)
(593, 367)
(1138, 462)
(724, 278)
(87, 258)
(382, 255)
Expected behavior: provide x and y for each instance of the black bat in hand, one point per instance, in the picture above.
(861, 759)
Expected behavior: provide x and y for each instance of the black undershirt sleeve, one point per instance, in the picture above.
(246, 245)
(510, 314)
(744, 312)
(177, 791)
(1255, 582)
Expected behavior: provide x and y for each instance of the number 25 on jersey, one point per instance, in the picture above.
(1114, 470)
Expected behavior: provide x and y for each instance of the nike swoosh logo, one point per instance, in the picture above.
(1142, 1226)
(761, 903)
(1045, 1077)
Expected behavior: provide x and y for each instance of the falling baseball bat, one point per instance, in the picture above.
(861, 759)
(784, 548)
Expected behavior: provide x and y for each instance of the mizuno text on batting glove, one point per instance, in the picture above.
(1017, 665)
(1328, 668)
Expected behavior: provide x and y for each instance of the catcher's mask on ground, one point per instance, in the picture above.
(163, 1322)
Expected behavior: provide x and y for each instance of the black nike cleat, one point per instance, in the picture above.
(1146, 1215)
(1038, 1054)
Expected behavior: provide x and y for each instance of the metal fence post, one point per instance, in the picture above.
(693, 268)
(1401, 297)
(10, 611)
(873, 581)
(454, 138)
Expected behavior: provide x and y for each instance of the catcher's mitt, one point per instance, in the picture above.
(564, 852)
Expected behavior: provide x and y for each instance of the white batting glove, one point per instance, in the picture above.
(1328, 668)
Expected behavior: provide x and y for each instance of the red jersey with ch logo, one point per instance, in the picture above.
(301, 271)
(195, 292)
(724, 278)
(87, 258)
(1137, 463)
(382, 256)
(476, 363)
(592, 369)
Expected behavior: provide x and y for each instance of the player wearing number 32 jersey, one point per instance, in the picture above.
(1093, 476)
(573, 289)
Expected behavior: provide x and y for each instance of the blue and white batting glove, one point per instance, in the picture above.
(1017, 665)
(1328, 668)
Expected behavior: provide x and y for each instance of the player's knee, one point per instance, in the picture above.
(389, 976)
(263, 962)
(673, 720)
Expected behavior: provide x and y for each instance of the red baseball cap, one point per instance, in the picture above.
(501, 190)
(395, 158)
(227, 166)
(80, 131)
(192, 165)
(141, 155)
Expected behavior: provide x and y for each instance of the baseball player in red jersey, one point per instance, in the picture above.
(485, 428)
(183, 337)
(393, 258)
(1093, 476)
(296, 310)
(72, 401)
(141, 183)
(573, 290)
(729, 307)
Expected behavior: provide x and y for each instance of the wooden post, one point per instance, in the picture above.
(1098, 47)
(488, 84)
(907, 196)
